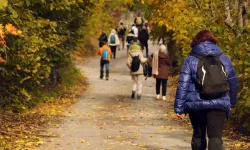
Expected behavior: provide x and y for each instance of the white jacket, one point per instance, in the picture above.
(135, 31)
(117, 41)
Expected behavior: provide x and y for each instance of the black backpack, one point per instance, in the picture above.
(135, 65)
(211, 77)
(122, 31)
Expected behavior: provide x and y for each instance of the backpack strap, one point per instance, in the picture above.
(200, 56)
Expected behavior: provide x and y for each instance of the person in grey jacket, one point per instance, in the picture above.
(137, 76)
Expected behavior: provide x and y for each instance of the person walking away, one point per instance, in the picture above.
(135, 30)
(139, 21)
(160, 65)
(143, 38)
(130, 38)
(103, 37)
(207, 90)
(105, 54)
(134, 62)
(113, 42)
(121, 34)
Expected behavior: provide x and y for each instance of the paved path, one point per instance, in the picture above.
(106, 118)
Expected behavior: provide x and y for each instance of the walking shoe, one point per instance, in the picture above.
(157, 96)
(133, 95)
(164, 98)
(107, 79)
(101, 78)
(138, 97)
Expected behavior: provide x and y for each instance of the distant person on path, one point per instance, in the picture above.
(143, 38)
(103, 37)
(113, 42)
(135, 30)
(134, 62)
(121, 34)
(160, 64)
(130, 38)
(139, 21)
(105, 54)
(207, 90)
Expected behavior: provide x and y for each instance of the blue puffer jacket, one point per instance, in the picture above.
(187, 96)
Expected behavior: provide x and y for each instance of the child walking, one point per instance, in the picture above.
(105, 54)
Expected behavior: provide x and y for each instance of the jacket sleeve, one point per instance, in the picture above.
(109, 40)
(168, 62)
(129, 61)
(233, 83)
(110, 52)
(117, 39)
(142, 59)
(99, 52)
(182, 88)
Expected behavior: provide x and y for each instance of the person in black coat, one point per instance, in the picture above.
(103, 37)
(143, 38)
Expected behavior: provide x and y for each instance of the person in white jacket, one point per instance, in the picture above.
(135, 29)
(113, 42)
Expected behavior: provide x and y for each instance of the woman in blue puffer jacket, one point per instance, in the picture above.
(206, 116)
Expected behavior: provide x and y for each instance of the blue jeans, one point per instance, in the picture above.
(106, 64)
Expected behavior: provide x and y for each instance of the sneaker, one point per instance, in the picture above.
(164, 98)
(107, 79)
(157, 96)
(133, 95)
(138, 97)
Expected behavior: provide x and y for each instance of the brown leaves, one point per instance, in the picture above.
(25, 130)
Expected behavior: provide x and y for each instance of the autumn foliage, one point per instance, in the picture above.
(228, 20)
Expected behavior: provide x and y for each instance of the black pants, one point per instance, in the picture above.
(106, 64)
(113, 49)
(210, 122)
(162, 82)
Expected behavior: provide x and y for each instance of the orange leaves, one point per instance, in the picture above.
(8, 28)
(1, 60)
(13, 30)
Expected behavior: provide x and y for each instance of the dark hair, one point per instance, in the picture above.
(121, 23)
(203, 36)
(104, 42)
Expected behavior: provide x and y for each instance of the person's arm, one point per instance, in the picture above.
(117, 40)
(110, 52)
(168, 62)
(129, 61)
(147, 35)
(182, 88)
(99, 52)
(142, 59)
(233, 83)
(109, 40)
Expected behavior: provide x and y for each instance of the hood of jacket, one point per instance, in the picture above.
(206, 48)
(162, 55)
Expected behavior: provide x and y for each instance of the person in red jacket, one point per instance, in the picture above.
(160, 64)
